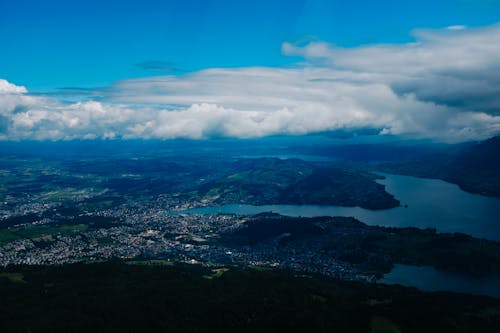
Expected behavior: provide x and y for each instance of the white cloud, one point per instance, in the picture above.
(456, 27)
(457, 67)
(443, 86)
(9, 88)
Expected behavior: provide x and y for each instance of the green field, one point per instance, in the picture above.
(216, 273)
(33, 232)
(13, 277)
(151, 262)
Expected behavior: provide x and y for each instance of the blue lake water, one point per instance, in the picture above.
(431, 203)
(430, 279)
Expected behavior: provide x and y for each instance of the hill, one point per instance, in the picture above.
(474, 167)
(133, 297)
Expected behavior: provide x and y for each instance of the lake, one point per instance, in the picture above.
(431, 203)
(430, 279)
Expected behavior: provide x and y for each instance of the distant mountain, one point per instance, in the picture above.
(475, 167)
(481, 160)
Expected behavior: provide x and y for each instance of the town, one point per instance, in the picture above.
(150, 230)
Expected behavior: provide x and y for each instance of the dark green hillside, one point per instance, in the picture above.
(113, 297)
(274, 181)
(370, 248)
(474, 167)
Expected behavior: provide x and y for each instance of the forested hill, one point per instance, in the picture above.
(474, 167)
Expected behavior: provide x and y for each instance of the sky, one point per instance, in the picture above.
(198, 69)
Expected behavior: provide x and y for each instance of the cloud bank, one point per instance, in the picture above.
(442, 86)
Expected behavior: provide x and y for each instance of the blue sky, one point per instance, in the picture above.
(246, 69)
(53, 44)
